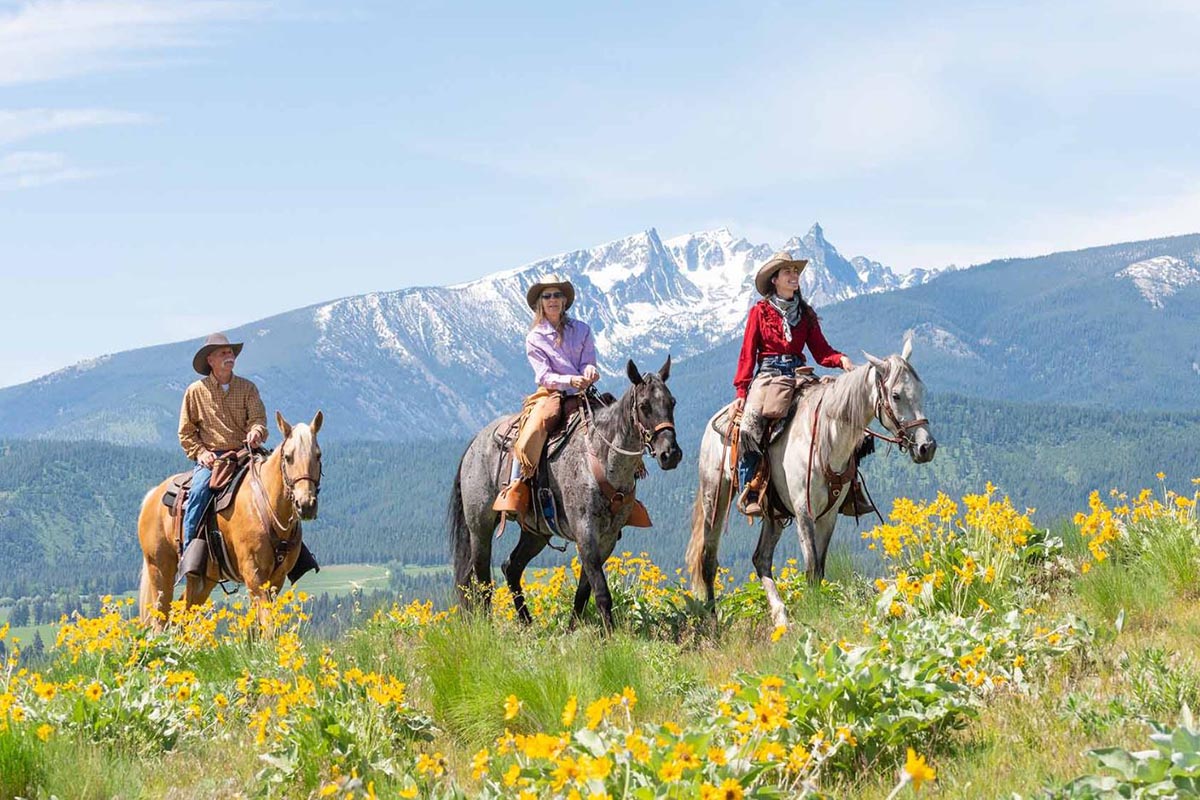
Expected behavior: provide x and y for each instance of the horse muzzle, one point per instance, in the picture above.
(669, 455)
(922, 452)
(308, 511)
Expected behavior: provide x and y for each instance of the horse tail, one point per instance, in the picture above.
(146, 598)
(456, 526)
(701, 556)
(695, 548)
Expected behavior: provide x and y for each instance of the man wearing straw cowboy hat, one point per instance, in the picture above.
(563, 356)
(221, 412)
(778, 328)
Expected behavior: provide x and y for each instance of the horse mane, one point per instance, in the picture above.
(613, 421)
(846, 407)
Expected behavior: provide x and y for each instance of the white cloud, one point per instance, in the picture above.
(45, 40)
(31, 169)
(19, 124)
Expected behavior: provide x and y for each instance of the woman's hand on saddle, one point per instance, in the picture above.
(578, 382)
(207, 458)
(591, 374)
(738, 404)
(847, 364)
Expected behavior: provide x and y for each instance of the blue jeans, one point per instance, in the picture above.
(198, 499)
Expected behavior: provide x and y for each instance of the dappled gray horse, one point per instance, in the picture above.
(591, 511)
(837, 413)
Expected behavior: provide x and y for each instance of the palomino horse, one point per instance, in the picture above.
(835, 413)
(260, 526)
(642, 420)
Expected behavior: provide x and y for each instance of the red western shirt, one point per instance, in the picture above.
(764, 337)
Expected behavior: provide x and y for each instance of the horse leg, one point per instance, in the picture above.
(822, 535)
(197, 590)
(514, 566)
(592, 562)
(583, 593)
(155, 592)
(805, 530)
(764, 557)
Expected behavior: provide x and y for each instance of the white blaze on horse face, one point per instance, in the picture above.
(302, 460)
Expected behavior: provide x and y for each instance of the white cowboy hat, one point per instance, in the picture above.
(551, 282)
(762, 281)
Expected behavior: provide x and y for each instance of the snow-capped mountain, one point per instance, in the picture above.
(402, 364)
(1159, 278)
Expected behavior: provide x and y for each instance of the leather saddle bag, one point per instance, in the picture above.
(222, 472)
(772, 395)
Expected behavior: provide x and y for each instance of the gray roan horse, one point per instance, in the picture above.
(885, 389)
(642, 420)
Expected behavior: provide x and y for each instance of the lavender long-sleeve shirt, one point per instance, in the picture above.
(555, 365)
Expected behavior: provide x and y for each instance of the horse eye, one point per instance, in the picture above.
(645, 406)
(288, 458)
(896, 396)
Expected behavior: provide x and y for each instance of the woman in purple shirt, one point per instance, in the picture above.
(563, 356)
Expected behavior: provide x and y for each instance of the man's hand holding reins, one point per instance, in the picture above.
(207, 458)
(847, 364)
(254, 438)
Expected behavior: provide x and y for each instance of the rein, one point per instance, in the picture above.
(618, 499)
(646, 435)
(885, 413)
(280, 544)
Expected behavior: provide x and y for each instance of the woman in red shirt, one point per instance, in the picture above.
(777, 330)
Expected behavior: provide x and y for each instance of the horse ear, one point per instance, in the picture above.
(906, 351)
(878, 363)
(284, 427)
(664, 371)
(318, 420)
(631, 370)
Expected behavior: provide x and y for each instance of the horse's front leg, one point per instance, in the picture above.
(263, 579)
(514, 567)
(822, 535)
(764, 559)
(583, 593)
(805, 530)
(592, 560)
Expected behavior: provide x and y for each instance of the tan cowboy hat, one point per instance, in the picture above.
(762, 281)
(550, 282)
(215, 341)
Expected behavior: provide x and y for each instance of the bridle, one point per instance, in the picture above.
(289, 491)
(885, 412)
(646, 434)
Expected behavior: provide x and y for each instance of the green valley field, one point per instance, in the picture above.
(986, 659)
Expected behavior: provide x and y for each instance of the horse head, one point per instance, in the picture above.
(898, 394)
(654, 413)
(301, 463)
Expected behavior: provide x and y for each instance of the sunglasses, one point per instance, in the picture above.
(552, 295)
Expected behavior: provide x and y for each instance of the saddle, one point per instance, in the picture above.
(728, 427)
(232, 469)
(561, 429)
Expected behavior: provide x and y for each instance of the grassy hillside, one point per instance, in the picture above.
(986, 660)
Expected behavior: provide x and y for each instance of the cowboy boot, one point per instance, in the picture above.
(514, 498)
(305, 562)
(748, 500)
(857, 504)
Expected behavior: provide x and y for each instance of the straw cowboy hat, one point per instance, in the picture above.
(215, 341)
(762, 281)
(550, 282)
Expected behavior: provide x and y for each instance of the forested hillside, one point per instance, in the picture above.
(68, 511)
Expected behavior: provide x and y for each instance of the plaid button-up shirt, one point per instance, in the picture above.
(215, 419)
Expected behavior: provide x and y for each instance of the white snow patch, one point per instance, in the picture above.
(1159, 278)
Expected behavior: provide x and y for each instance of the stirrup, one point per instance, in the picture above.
(747, 505)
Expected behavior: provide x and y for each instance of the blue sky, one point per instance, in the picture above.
(275, 154)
